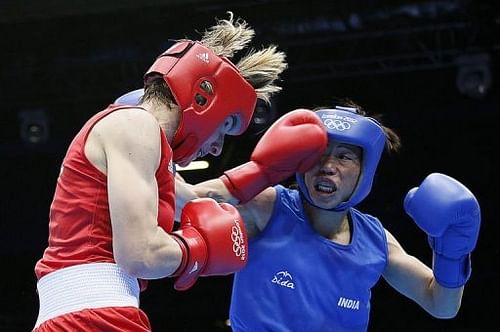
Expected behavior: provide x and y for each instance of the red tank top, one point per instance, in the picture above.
(80, 225)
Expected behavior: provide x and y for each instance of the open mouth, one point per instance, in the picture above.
(325, 187)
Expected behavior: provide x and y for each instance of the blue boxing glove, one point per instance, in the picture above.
(450, 215)
(131, 98)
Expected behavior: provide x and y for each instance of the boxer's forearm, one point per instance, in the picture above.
(183, 194)
(214, 189)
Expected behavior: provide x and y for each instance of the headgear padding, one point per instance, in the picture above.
(344, 126)
(130, 98)
(207, 88)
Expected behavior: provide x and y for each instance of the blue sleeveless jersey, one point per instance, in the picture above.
(297, 280)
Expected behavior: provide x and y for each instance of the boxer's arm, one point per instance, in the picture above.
(258, 211)
(216, 190)
(412, 278)
(184, 192)
(140, 246)
(274, 159)
(255, 213)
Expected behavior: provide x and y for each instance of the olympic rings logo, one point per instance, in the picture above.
(238, 241)
(337, 124)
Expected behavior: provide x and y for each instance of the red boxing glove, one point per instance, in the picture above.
(294, 143)
(213, 240)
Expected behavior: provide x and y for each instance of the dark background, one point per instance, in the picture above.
(431, 67)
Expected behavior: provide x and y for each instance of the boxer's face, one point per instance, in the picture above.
(333, 179)
(213, 145)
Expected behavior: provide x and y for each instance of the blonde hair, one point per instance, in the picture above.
(261, 68)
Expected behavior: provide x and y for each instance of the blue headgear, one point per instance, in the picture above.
(345, 126)
(131, 98)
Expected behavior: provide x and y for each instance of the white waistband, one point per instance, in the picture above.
(86, 286)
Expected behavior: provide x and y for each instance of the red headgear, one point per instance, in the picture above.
(208, 89)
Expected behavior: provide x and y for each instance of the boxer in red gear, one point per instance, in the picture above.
(112, 215)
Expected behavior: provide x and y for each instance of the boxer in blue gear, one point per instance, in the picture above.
(314, 257)
(131, 98)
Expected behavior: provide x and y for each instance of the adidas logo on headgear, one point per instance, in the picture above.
(203, 57)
